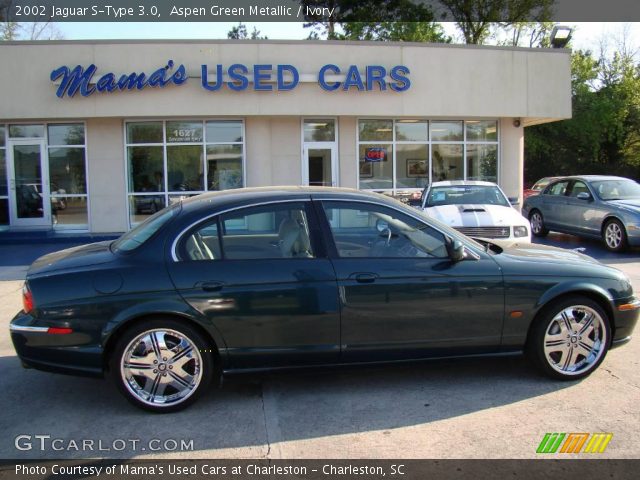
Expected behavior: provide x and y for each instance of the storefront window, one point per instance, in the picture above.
(26, 131)
(446, 131)
(144, 132)
(412, 131)
(68, 175)
(482, 162)
(412, 166)
(410, 153)
(2, 136)
(181, 158)
(4, 200)
(70, 134)
(482, 130)
(319, 130)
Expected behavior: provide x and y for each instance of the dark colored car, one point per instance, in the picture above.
(537, 187)
(258, 279)
(596, 206)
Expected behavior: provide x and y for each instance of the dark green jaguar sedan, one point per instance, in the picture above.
(267, 278)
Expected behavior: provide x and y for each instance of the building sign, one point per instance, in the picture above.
(236, 77)
(375, 154)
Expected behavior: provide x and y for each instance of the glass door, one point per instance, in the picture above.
(319, 165)
(29, 185)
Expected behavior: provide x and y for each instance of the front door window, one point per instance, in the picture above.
(320, 164)
(28, 188)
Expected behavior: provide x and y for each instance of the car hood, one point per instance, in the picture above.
(632, 204)
(476, 215)
(82, 256)
(519, 258)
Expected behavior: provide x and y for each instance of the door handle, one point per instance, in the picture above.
(211, 286)
(365, 277)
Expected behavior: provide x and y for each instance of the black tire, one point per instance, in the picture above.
(180, 390)
(539, 230)
(546, 323)
(614, 236)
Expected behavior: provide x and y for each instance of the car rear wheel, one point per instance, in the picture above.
(537, 224)
(569, 338)
(162, 365)
(614, 236)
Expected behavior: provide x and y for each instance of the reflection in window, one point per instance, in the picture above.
(67, 171)
(374, 231)
(146, 169)
(375, 130)
(319, 130)
(184, 132)
(447, 162)
(3, 174)
(185, 172)
(412, 130)
(229, 131)
(26, 131)
(2, 136)
(224, 166)
(69, 211)
(446, 131)
(482, 130)
(66, 134)
(482, 162)
(144, 132)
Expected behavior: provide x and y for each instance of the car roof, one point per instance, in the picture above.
(451, 183)
(594, 178)
(237, 197)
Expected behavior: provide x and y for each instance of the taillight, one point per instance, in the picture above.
(27, 299)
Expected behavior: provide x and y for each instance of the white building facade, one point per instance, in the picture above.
(95, 136)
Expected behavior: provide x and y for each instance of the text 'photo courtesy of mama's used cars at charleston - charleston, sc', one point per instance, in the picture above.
(265, 278)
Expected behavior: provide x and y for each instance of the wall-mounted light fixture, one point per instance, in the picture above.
(560, 36)
(516, 122)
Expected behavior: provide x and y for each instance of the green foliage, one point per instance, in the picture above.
(603, 135)
(240, 33)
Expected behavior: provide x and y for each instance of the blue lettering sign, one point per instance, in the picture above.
(81, 80)
(399, 74)
(260, 73)
(376, 74)
(294, 74)
(323, 83)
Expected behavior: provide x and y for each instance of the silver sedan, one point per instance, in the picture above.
(595, 206)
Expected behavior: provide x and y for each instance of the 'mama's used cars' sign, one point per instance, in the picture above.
(236, 77)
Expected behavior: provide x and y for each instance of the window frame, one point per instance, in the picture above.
(429, 143)
(316, 237)
(167, 194)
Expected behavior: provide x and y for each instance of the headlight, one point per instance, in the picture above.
(520, 231)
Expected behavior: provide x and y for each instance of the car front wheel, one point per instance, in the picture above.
(537, 224)
(162, 365)
(614, 236)
(570, 338)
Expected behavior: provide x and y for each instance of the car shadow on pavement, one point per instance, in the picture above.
(249, 412)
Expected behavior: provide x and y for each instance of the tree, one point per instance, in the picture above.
(476, 18)
(240, 33)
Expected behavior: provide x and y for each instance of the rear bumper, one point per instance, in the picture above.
(67, 354)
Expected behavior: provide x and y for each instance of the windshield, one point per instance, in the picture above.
(140, 234)
(466, 194)
(620, 189)
(540, 184)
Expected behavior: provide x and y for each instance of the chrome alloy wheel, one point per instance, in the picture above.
(536, 223)
(613, 235)
(575, 340)
(161, 367)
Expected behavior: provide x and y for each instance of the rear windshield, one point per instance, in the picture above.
(143, 232)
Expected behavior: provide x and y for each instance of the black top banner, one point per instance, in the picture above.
(317, 10)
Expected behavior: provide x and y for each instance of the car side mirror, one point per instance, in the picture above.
(514, 201)
(584, 196)
(456, 251)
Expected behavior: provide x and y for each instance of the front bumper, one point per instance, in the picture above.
(69, 353)
(633, 236)
(625, 318)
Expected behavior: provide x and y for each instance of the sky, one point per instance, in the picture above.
(586, 35)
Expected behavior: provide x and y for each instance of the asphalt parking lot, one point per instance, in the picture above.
(473, 408)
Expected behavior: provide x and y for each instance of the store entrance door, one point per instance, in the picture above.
(28, 183)
(319, 165)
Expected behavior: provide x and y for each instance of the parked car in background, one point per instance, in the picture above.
(475, 208)
(538, 186)
(257, 279)
(596, 206)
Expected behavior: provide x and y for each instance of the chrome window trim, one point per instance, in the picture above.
(24, 328)
(174, 245)
(174, 255)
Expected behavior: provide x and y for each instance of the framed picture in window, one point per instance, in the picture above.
(366, 169)
(416, 168)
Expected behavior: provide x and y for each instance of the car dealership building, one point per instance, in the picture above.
(97, 135)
